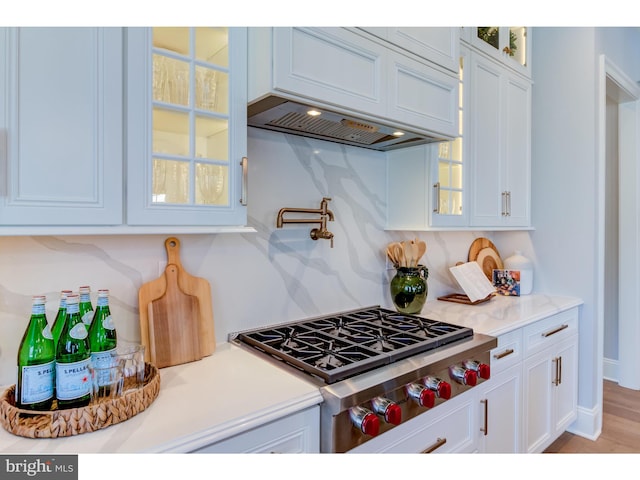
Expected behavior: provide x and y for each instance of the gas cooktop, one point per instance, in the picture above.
(339, 346)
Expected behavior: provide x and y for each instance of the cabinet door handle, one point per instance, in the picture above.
(507, 352)
(245, 173)
(436, 201)
(504, 204)
(508, 204)
(439, 442)
(559, 370)
(553, 332)
(557, 362)
(486, 417)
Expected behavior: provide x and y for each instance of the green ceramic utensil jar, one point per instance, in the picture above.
(409, 288)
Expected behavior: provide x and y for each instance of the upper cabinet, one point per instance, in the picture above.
(500, 139)
(187, 126)
(509, 45)
(349, 71)
(439, 45)
(61, 136)
(90, 117)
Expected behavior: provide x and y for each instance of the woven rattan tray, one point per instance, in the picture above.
(74, 421)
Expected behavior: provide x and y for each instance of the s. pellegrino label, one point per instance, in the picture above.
(36, 361)
(73, 357)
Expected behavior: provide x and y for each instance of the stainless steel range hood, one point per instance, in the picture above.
(283, 115)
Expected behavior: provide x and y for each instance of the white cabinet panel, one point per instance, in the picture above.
(297, 433)
(61, 93)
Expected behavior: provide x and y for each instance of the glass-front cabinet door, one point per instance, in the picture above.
(510, 44)
(186, 114)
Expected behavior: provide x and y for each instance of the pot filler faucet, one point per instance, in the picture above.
(315, 233)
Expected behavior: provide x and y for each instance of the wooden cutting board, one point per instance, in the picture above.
(477, 245)
(188, 298)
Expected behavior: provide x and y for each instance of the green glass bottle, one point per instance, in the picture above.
(36, 361)
(73, 356)
(102, 333)
(60, 317)
(86, 309)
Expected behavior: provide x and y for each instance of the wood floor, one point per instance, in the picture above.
(620, 425)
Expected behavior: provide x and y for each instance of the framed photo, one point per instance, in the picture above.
(507, 282)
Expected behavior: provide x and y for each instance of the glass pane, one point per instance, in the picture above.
(491, 35)
(170, 80)
(443, 150)
(212, 138)
(212, 45)
(207, 88)
(456, 203)
(443, 174)
(170, 181)
(212, 184)
(222, 93)
(456, 150)
(174, 39)
(518, 44)
(456, 176)
(443, 202)
(170, 132)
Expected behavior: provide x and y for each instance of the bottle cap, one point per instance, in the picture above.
(73, 298)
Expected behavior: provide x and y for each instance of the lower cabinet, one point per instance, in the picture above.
(297, 433)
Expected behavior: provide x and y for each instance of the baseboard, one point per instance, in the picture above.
(588, 424)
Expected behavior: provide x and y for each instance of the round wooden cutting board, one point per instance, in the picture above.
(483, 251)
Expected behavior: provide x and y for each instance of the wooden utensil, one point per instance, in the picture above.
(174, 291)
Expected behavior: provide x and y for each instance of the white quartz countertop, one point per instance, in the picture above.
(501, 314)
(235, 390)
(199, 403)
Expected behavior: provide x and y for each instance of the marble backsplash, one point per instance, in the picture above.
(271, 276)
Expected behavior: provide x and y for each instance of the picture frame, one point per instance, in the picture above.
(506, 282)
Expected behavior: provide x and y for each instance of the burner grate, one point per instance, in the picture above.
(342, 345)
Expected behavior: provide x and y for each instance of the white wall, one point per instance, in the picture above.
(565, 172)
(267, 277)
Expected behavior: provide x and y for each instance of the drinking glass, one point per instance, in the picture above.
(130, 356)
(106, 382)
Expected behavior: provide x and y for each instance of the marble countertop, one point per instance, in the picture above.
(199, 403)
(235, 390)
(501, 314)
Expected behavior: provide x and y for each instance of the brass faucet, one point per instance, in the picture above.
(315, 233)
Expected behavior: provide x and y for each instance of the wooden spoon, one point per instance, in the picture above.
(422, 248)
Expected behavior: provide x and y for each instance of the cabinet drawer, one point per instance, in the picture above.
(508, 352)
(549, 331)
(446, 429)
(297, 433)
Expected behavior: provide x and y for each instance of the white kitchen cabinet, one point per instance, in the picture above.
(61, 136)
(499, 399)
(510, 46)
(499, 114)
(296, 433)
(550, 379)
(348, 70)
(186, 126)
(437, 44)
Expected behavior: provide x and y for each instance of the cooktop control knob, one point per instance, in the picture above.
(463, 375)
(421, 394)
(439, 386)
(365, 420)
(482, 369)
(390, 411)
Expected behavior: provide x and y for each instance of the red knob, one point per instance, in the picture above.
(424, 396)
(393, 414)
(370, 424)
(470, 378)
(365, 420)
(444, 390)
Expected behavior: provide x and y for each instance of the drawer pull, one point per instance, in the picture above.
(553, 332)
(435, 446)
(507, 352)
